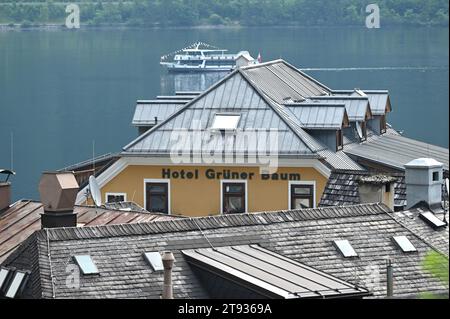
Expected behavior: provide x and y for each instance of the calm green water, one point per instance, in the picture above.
(59, 90)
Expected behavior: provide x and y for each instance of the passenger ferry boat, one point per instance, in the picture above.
(200, 57)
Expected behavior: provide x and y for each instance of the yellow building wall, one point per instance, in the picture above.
(201, 197)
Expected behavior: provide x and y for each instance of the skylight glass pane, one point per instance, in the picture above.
(155, 260)
(15, 285)
(345, 248)
(432, 220)
(405, 245)
(86, 265)
(3, 274)
(225, 122)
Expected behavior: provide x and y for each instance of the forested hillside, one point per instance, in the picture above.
(225, 12)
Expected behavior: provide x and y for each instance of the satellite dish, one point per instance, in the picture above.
(359, 129)
(94, 189)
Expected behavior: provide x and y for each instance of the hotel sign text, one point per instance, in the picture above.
(212, 174)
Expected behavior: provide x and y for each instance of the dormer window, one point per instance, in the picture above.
(383, 124)
(361, 128)
(339, 140)
(225, 122)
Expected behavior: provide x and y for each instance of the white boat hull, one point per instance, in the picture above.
(173, 67)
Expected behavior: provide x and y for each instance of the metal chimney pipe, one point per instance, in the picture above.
(168, 260)
(390, 280)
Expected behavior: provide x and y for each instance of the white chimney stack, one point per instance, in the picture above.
(424, 179)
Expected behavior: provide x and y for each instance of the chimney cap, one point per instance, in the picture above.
(377, 179)
(168, 260)
(424, 163)
(58, 191)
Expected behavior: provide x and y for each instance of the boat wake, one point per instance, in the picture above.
(387, 68)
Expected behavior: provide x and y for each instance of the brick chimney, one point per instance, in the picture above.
(5, 195)
(58, 194)
(5, 189)
(424, 180)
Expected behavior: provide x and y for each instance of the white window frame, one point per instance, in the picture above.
(158, 181)
(302, 183)
(233, 181)
(225, 114)
(115, 194)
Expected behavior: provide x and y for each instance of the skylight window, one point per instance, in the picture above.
(3, 274)
(225, 121)
(16, 284)
(86, 265)
(432, 220)
(404, 244)
(154, 259)
(345, 248)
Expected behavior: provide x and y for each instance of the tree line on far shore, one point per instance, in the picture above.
(225, 12)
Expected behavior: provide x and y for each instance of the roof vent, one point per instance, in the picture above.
(58, 194)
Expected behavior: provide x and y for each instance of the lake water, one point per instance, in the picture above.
(60, 91)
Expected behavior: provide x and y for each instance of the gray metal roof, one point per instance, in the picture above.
(196, 93)
(379, 99)
(176, 97)
(270, 273)
(305, 236)
(281, 82)
(233, 94)
(318, 116)
(237, 93)
(339, 160)
(379, 102)
(395, 151)
(357, 108)
(147, 112)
